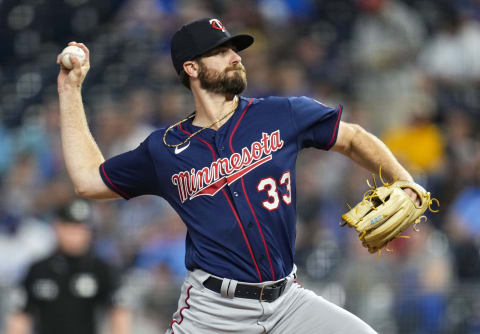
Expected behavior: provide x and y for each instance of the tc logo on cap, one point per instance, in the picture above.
(216, 24)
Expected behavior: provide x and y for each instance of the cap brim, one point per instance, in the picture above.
(241, 42)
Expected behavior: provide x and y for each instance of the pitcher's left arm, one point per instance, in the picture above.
(370, 152)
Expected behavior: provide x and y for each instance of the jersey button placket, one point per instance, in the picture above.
(220, 145)
(241, 204)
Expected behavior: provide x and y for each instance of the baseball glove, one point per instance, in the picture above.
(387, 211)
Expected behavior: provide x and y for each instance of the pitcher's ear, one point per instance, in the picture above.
(191, 68)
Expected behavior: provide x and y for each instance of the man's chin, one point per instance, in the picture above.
(237, 71)
(229, 85)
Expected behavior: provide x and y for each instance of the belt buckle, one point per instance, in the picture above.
(281, 288)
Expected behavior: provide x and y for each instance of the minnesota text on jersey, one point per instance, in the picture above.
(223, 171)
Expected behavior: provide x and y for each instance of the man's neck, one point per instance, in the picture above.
(210, 108)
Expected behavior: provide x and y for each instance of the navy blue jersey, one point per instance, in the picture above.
(234, 188)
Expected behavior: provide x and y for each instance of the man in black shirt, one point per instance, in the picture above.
(62, 293)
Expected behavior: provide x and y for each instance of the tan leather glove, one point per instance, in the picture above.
(387, 211)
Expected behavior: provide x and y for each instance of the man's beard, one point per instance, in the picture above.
(224, 83)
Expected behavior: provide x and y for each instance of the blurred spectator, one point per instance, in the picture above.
(387, 36)
(22, 183)
(165, 247)
(281, 11)
(170, 105)
(22, 241)
(424, 268)
(452, 55)
(135, 121)
(108, 123)
(464, 229)
(451, 59)
(61, 293)
(418, 143)
(459, 168)
(161, 259)
(291, 79)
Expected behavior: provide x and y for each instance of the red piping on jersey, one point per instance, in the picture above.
(114, 186)
(238, 122)
(214, 157)
(340, 109)
(245, 192)
(181, 310)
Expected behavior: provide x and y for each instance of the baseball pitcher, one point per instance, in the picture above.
(228, 170)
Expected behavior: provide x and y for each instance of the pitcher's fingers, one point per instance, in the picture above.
(85, 49)
(77, 67)
(74, 60)
(59, 61)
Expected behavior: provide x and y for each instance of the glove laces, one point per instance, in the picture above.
(371, 195)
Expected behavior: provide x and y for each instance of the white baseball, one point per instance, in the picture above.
(74, 51)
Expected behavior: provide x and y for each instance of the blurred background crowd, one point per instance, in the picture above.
(408, 71)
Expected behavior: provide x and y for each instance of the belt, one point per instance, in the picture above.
(267, 293)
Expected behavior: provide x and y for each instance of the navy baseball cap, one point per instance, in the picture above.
(201, 36)
(77, 211)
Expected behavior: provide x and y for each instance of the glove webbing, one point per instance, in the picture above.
(371, 195)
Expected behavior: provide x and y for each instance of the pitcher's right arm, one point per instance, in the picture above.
(81, 153)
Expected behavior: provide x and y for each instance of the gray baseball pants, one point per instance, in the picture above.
(297, 310)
